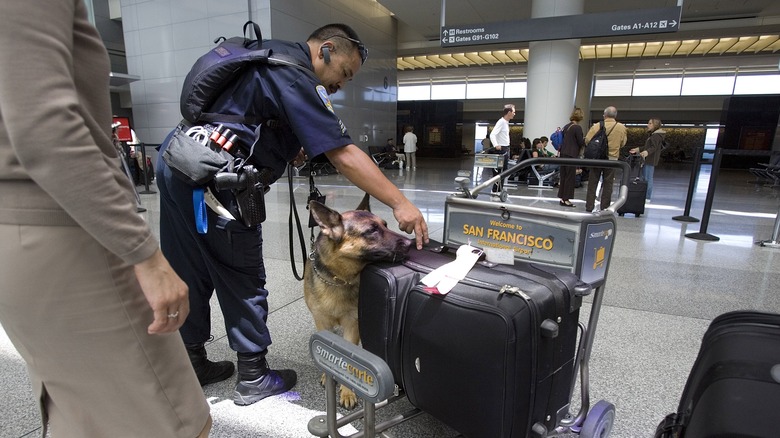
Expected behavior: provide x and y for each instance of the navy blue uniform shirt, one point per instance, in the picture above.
(290, 95)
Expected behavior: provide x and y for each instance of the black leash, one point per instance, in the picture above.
(314, 194)
(294, 212)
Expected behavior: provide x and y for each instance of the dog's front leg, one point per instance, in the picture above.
(347, 397)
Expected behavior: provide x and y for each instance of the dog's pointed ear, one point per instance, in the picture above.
(365, 203)
(329, 220)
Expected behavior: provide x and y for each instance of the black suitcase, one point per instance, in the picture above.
(734, 386)
(492, 358)
(637, 189)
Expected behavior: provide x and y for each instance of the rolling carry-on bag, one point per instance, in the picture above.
(637, 188)
(493, 357)
(734, 386)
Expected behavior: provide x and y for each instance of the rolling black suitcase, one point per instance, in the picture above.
(492, 358)
(734, 386)
(637, 189)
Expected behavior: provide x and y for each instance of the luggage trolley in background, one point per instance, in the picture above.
(575, 234)
(580, 242)
(493, 162)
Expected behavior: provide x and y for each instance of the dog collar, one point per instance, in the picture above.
(335, 282)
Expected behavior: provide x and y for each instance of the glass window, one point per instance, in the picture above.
(517, 89)
(448, 91)
(757, 84)
(485, 90)
(707, 85)
(669, 86)
(612, 87)
(414, 92)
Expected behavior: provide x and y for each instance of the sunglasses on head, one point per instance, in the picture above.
(360, 46)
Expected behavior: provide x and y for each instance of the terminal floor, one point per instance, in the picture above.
(662, 291)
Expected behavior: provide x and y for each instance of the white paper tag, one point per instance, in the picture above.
(442, 279)
(501, 256)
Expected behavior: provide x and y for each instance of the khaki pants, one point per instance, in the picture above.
(76, 314)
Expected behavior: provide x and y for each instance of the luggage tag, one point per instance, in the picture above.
(442, 279)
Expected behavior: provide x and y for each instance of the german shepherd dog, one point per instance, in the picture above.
(346, 244)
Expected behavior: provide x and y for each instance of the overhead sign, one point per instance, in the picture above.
(642, 21)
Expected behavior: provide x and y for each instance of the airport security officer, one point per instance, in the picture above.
(226, 255)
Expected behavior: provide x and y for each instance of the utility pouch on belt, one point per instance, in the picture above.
(191, 161)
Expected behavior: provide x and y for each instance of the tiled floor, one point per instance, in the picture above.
(662, 291)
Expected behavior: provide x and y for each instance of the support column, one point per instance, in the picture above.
(552, 73)
(584, 89)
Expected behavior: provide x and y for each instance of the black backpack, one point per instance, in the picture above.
(214, 71)
(598, 146)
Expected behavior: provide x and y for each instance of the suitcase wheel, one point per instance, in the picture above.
(598, 423)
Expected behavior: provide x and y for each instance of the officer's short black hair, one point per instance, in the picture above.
(329, 30)
(345, 38)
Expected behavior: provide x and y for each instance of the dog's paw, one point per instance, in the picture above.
(347, 398)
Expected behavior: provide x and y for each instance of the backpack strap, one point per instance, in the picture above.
(264, 56)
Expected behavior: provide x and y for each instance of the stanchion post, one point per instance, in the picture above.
(146, 190)
(775, 242)
(705, 219)
(686, 217)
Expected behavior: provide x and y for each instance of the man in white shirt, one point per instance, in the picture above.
(499, 137)
(410, 148)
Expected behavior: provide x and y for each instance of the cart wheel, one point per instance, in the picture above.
(504, 196)
(598, 423)
(318, 426)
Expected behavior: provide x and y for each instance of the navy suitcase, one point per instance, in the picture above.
(494, 357)
(637, 189)
(734, 386)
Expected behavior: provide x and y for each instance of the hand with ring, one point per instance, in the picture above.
(165, 292)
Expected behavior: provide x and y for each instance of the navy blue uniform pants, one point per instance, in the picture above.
(227, 259)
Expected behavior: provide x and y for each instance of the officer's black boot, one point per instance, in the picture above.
(206, 370)
(257, 381)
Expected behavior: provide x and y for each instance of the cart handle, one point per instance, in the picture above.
(577, 162)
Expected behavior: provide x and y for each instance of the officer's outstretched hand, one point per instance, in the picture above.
(410, 220)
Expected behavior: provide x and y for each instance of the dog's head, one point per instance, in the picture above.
(358, 234)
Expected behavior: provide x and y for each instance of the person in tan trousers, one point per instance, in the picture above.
(86, 296)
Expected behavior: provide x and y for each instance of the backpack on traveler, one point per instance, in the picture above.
(556, 138)
(598, 146)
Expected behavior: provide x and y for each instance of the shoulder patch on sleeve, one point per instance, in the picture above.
(323, 93)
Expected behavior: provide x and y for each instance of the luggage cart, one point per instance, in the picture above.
(577, 241)
(493, 162)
